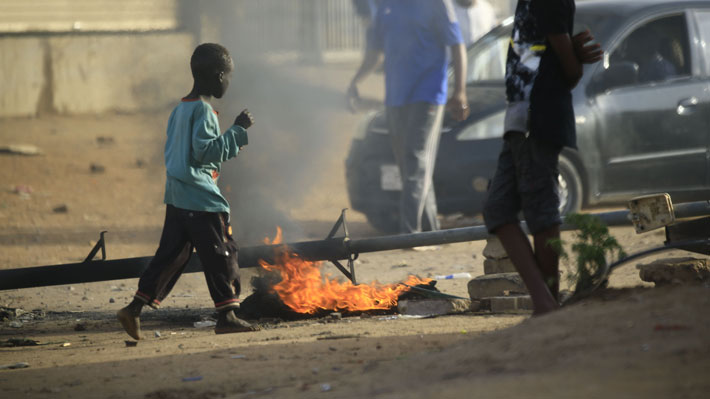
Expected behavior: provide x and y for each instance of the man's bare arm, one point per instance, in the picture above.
(369, 62)
(571, 65)
(457, 104)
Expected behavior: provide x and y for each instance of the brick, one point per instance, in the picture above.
(496, 285)
(436, 307)
(496, 266)
(675, 271)
(510, 304)
(494, 249)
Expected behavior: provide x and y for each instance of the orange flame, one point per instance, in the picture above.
(305, 290)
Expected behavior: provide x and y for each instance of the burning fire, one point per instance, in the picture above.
(305, 290)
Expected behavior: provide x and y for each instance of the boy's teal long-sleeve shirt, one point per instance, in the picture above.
(194, 151)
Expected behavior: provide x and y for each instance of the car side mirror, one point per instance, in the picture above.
(619, 74)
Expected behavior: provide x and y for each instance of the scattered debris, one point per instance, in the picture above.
(20, 149)
(452, 276)
(156, 334)
(65, 345)
(325, 387)
(238, 357)
(15, 324)
(491, 285)
(131, 343)
(60, 209)
(23, 190)
(96, 168)
(191, 379)
(346, 336)
(675, 271)
(336, 316)
(494, 249)
(204, 324)
(80, 327)
(429, 307)
(19, 365)
(7, 313)
(15, 342)
(426, 248)
(111, 300)
(105, 140)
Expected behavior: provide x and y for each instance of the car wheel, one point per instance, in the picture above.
(386, 222)
(570, 187)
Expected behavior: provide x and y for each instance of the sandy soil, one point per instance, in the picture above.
(630, 341)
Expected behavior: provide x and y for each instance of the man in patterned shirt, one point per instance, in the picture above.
(544, 64)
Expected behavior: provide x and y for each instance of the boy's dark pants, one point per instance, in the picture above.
(210, 234)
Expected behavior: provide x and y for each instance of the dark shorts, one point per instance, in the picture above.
(526, 180)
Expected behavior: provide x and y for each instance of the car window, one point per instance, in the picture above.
(654, 52)
(486, 59)
(704, 26)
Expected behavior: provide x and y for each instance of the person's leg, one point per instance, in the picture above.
(540, 204)
(218, 252)
(433, 122)
(415, 141)
(500, 214)
(161, 274)
(517, 245)
(548, 260)
(169, 260)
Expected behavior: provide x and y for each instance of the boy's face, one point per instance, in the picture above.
(221, 83)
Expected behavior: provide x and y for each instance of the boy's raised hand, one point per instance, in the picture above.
(245, 119)
(586, 54)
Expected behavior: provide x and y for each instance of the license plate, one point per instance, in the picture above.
(390, 179)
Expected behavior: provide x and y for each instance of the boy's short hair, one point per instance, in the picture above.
(208, 59)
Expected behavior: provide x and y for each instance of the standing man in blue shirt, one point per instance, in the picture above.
(414, 36)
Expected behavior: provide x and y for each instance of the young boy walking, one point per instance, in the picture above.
(544, 65)
(197, 215)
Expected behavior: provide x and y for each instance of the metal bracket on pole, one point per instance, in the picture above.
(351, 256)
(101, 244)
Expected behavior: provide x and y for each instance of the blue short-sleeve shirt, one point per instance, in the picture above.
(414, 35)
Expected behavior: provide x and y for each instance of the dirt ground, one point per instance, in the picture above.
(632, 341)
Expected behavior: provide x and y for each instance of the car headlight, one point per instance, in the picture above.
(487, 128)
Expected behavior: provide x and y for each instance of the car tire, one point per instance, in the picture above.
(570, 187)
(386, 222)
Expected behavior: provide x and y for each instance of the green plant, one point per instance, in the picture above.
(592, 248)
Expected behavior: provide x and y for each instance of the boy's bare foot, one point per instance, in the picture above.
(130, 321)
(228, 322)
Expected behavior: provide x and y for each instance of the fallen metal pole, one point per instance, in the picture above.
(332, 249)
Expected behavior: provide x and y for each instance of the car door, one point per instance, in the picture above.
(702, 20)
(653, 128)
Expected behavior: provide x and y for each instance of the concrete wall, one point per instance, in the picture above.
(22, 75)
(93, 73)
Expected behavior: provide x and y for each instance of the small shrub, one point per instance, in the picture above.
(593, 246)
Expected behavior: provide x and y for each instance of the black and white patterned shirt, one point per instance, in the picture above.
(539, 100)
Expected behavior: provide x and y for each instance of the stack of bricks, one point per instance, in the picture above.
(500, 289)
